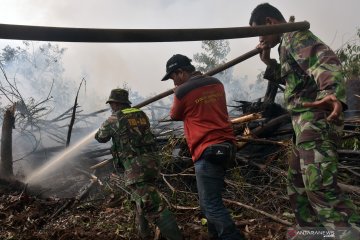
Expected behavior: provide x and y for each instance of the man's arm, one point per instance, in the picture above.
(273, 68)
(319, 61)
(105, 132)
(177, 110)
(330, 102)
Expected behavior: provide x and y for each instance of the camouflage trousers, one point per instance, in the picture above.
(315, 196)
(150, 207)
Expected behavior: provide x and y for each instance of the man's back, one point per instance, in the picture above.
(201, 104)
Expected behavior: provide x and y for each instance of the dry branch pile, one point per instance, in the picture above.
(88, 202)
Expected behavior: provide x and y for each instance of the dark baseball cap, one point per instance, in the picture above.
(175, 62)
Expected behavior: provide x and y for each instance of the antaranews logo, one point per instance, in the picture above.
(291, 233)
(312, 233)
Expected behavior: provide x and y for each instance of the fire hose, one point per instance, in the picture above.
(62, 34)
(42, 33)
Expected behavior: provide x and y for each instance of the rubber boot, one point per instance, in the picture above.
(212, 233)
(142, 226)
(168, 226)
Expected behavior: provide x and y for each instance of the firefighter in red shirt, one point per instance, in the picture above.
(200, 102)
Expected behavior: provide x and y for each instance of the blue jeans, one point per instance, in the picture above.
(210, 184)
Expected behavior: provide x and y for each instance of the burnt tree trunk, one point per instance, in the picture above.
(6, 166)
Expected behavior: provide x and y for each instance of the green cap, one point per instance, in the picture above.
(119, 95)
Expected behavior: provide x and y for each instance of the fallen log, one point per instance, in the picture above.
(85, 190)
(271, 124)
(256, 132)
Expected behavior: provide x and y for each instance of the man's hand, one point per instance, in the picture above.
(330, 103)
(265, 53)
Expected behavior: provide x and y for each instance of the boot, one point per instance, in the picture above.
(168, 226)
(142, 226)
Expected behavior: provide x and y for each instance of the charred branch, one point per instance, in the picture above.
(73, 115)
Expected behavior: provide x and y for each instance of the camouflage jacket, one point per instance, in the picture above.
(133, 146)
(309, 68)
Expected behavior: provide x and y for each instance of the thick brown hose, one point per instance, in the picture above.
(60, 34)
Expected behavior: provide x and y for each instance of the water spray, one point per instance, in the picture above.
(58, 160)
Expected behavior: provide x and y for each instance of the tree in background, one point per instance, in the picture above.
(236, 87)
(214, 54)
(349, 55)
(33, 74)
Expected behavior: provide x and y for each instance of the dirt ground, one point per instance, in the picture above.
(29, 214)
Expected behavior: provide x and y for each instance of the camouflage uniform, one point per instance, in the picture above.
(311, 71)
(134, 147)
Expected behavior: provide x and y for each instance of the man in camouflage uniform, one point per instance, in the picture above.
(134, 147)
(315, 98)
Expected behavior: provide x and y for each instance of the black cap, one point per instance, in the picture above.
(175, 62)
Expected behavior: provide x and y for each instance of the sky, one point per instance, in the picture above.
(142, 65)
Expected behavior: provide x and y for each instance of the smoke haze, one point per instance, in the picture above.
(142, 65)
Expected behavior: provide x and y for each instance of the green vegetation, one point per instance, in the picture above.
(349, 55)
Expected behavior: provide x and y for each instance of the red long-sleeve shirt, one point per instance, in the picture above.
(201, 104)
